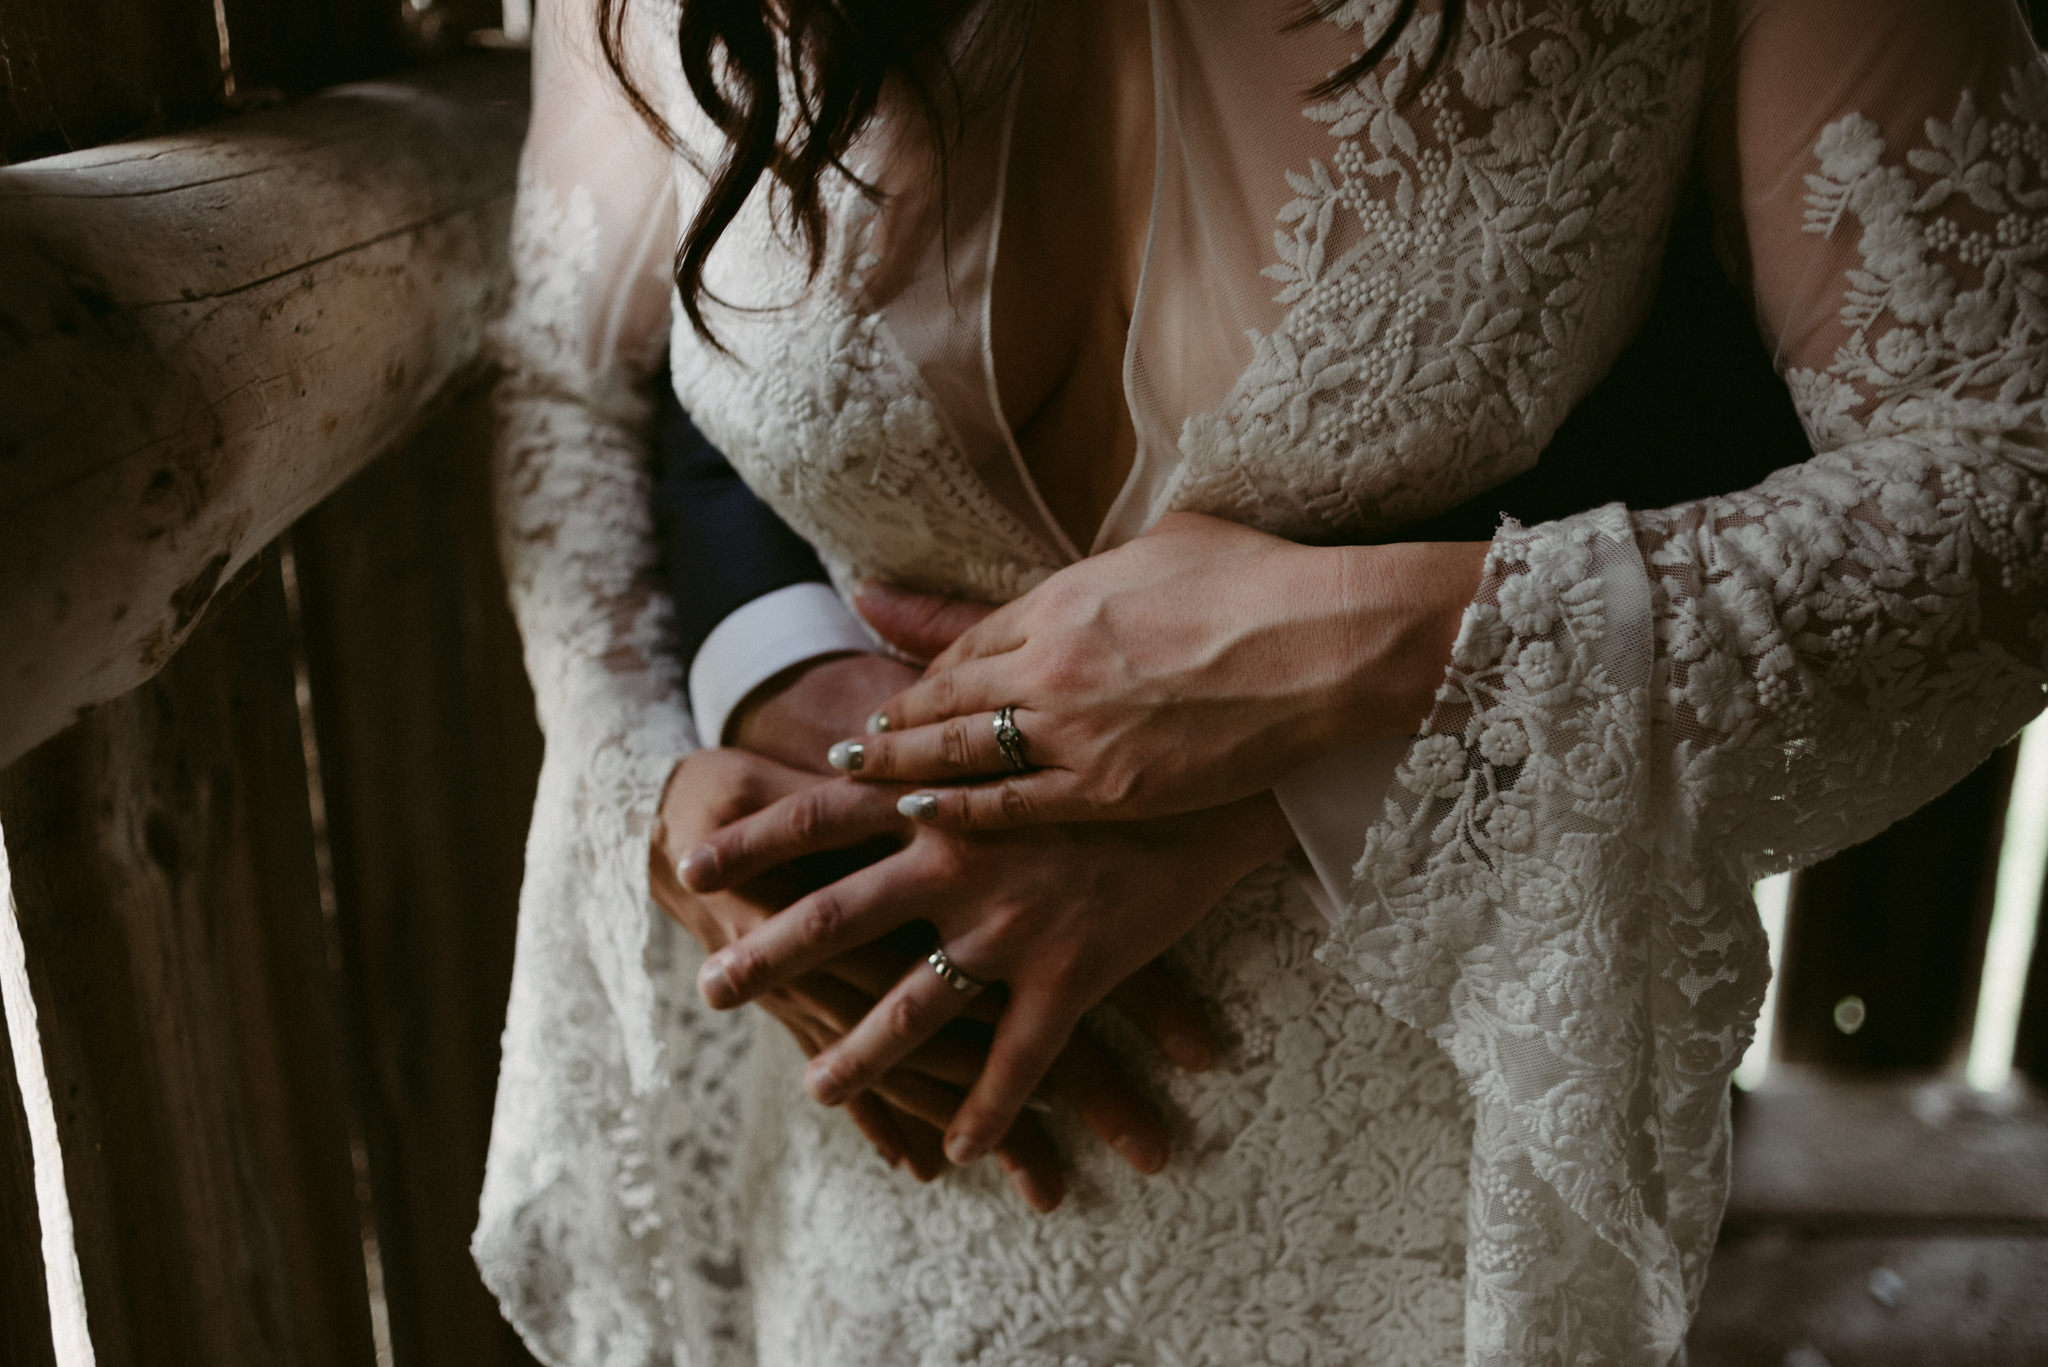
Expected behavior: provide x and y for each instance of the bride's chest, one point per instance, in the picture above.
(1324, 317)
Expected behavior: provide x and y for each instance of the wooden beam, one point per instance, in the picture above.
(1822, 1149)
(202, 336)
(1781, 1298)
(168, 901)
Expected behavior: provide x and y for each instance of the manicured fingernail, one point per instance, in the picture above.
(847, 756)
(1146, 1158)
(714, 982)
(878, 723)
(963, 1149)
(918, 806)
(698, 870)
(825, 1087)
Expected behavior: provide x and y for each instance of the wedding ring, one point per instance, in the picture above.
(951, 975)
(1010, 740)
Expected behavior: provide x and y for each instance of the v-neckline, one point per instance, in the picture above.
(1055, 532)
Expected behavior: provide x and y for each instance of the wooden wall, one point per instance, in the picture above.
(270, 1000)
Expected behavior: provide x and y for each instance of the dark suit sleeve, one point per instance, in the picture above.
(721, 547)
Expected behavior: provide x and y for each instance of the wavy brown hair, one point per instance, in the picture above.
(840, 55)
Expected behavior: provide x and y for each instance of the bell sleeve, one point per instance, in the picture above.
(606, 1222)
(1646, 710)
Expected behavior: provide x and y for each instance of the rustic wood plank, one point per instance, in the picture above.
(163, 867)
(24, 1305)
(1824, 1148)
(429, 756)
(202, 336)
(1780, 1299)
(301, 45)
(1898, 922)
(74, 73)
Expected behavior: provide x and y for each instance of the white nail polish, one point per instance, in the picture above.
(918, 806)
(847, 756)
(878, 723)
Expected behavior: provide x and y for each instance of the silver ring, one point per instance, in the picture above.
(1010, 740)
(950, 974)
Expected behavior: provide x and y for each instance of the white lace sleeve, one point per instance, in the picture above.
(1648, 709)
(608, 1057)
(593, 230)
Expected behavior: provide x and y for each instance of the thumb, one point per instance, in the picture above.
(920, 625)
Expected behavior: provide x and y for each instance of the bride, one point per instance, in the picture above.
(1137, 319)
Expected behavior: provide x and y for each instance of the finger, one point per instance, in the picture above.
(859, 907)
(916, 1008)
(1108, 1103)
(976, 685)
(1168, 1015)
(824, 816)
(1033, 1165)
(953, 1056)
(873, 1118)
(1027, 1153)
(918, 624)
(1029, 1039)
(1032, 799)
(958, 747)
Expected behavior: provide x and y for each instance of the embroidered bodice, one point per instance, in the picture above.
(1350, 312)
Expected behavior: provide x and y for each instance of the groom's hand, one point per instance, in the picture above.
(795, 716)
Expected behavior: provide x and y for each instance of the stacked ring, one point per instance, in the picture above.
(1010, 741)
(952, 976)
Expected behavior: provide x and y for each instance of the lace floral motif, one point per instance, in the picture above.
(1316, 1203)
(1647, 711)
(1445, 305)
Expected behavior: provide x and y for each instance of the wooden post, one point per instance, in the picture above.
(1899, 924)
(429, 757)
(166, 890)
(24, 1308)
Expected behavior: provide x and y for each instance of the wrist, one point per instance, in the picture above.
(1402, 605)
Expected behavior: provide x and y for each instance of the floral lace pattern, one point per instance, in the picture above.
(1462, 269)
(1645, 710)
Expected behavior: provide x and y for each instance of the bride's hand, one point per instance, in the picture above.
(1060, 915)
(1193, 666)
(905, 1113)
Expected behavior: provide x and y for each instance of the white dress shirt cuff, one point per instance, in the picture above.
(1331, 802)
(759, 640)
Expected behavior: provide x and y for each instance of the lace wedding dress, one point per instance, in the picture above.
(1480, 1112)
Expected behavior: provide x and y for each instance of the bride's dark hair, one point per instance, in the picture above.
(839, 55)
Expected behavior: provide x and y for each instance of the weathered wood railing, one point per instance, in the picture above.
(265, 881)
